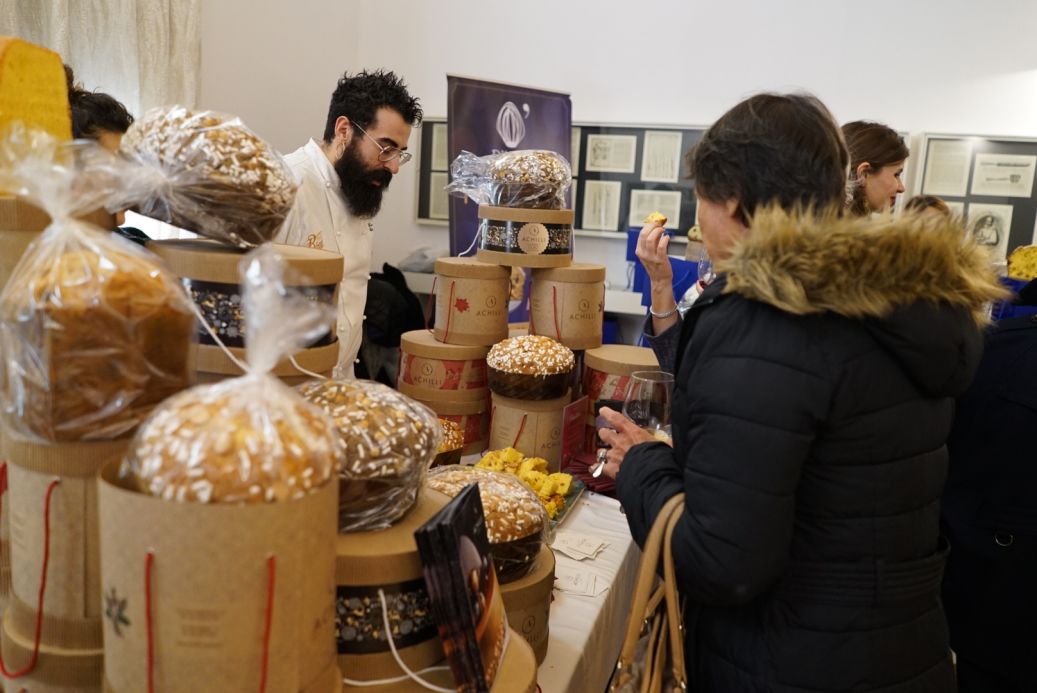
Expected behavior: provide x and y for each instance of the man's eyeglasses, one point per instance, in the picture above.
(386, 153)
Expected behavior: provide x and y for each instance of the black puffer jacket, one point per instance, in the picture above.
(814, 394)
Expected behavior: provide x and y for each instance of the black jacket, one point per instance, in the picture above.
(814, 393)
(990, 511)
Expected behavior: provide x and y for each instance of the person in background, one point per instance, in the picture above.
(100, 117)
(989, 514)
(95, 115)
(877, 157)
(814, 391)
(928, 204)
(342, 178)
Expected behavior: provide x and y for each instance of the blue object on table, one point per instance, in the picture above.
(610, 331)
(685, 273)
(632, 234)
(1004, 310)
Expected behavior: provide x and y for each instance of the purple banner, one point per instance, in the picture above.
(487, 117)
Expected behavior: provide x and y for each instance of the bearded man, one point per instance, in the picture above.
(341, 182)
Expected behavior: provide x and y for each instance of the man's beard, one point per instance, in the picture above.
(363, 199)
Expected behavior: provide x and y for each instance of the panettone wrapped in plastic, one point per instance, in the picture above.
(94, 331)
(250, 439)
(209, 174)
(389, 441)
(516, 522)
(531, 178)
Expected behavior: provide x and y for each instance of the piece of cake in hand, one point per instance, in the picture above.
(530, 367)
(656, 219)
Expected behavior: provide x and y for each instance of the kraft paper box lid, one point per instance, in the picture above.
(524, 215)
(18, 215)
(212, 359)
(577, 272)
(424, 344)
(211, 261)
(470, 268)
(620, 359)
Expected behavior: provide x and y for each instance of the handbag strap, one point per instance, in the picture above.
(674, 619)
(644, 588)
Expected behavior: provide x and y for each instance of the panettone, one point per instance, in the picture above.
(529, 367)
(218, 178)
(389, 441)
(450, 447)
(529, 178)
(656, 218)
(516, 523)
(93, 338)
(248, 440)
(453, 436)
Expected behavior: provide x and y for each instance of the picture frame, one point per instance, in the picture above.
(611, 153)
(661, 156)
(601, 201)
(644, 202)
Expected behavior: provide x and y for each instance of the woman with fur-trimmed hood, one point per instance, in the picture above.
(815, 386)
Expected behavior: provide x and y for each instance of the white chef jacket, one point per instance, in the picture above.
(321, 219)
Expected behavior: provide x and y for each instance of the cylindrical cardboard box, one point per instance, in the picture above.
(210, 273)
(57, 670)
(473, 417)
(568, 304)
(517, 673)
(533, 427)
(214, 365)
(471, 301)
(72, 608)
(21, 223)
(388, 560)
(528, 602)
(210, 585)
(430, 369)
(520, 237)
(607, 370)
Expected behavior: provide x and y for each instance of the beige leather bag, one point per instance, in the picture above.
(652, 657)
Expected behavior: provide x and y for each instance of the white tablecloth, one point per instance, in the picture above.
(586, 632)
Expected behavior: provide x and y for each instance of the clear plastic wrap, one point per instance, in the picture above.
(250, 439)
(389, 442)
(530, 178)
(94, 331)
(516, 522)
(208, 173)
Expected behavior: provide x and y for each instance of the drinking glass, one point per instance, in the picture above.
(648, 401)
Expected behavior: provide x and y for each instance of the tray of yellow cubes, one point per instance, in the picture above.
(558, 491)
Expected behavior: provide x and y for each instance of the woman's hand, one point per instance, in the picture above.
(652, 244)
(623, 435)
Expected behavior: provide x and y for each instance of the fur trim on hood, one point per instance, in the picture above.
(860, 267)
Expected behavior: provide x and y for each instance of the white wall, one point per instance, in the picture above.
(919, 65)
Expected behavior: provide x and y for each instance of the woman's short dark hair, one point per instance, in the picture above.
(358, 97)
(875, 144)
(94, 112)
(783, 149)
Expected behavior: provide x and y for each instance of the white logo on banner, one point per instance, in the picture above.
(510, 125)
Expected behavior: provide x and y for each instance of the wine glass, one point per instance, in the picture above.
(648, 401)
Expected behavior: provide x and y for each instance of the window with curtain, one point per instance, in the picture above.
(145, 53)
